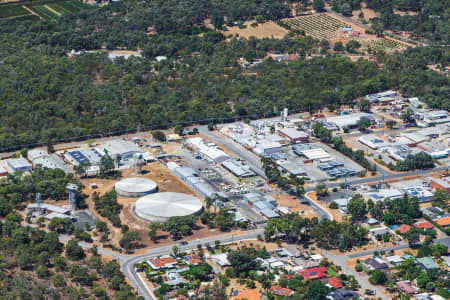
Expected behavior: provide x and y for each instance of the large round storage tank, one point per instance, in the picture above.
(160, 207)
(135, 187)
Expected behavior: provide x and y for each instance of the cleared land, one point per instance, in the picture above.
(266, 30)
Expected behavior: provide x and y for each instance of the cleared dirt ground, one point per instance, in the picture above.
(265, 30)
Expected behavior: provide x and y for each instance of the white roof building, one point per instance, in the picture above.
(415, 137)
(221, 259)
(238, 168)
(316, 154)
(211, 153)
(36, 153)
(122, 148)
(372, 141)
(267, 147)
(349, 120)
(52, 162)
(19, 164)
(48, 207)
(293, 134)
(382, 194)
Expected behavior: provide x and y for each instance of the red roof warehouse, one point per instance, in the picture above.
(314, 273)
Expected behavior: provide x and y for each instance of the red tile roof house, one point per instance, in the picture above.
(406, 287)
(333, 282)
(314, 273)
(163, 262)
(404, 228)
(280, 291)
(192, 259)
(423, 225)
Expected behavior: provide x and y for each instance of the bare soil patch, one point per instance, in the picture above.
(265, 30)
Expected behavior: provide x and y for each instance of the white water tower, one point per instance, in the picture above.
(72, 189)
(137, 164)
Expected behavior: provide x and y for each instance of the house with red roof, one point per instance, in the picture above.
(332, 282)
(164, 262)
(313, 273)
(423, 225)
(277, 290)
(404, 228)
(192, 259)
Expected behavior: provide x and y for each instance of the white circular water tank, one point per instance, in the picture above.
(135, 187)
(161, 206)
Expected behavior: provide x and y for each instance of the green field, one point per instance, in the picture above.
(15, 10)
(12, 10)
(44, 12)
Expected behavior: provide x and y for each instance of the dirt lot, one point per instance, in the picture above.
(294, 204)
(368, 13)
(265, 30)
(337, 216)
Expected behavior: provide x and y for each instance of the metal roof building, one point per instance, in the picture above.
(79, 156)
(238, 168)
(52, 162)
(36, 153)
(267, 147)
(135, 187)
(19, 164)
(162, 206)
(211, 153)
(349, 120)
(372, 141)
(122, 148)
(292, 167)
(316, 154)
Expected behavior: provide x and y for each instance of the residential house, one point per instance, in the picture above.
(404, 228)
(394, 260)
(192, 259)
(332, 282)
(444, 222)
(423, 225)
(376, 263)
(314, 273)
(277, 290)
(406, 287)
(164, 262)
(427, 263)
(342, 294)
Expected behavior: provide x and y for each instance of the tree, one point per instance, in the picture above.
(338, 46)
(407, 115)
(106, 164)
(391, 124)
(159, 135)
(352, 46)
(129, 240)
(74, 251)
(321, 190)
(423, 280)
(441, 198)
(363, 123)
(412, 235)
(364, 104)
(179, 129)
(241, 261)
(318, 5)
(175, 251)
(357, 207)
(378, 277)
(210, 126)
(333, 205)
